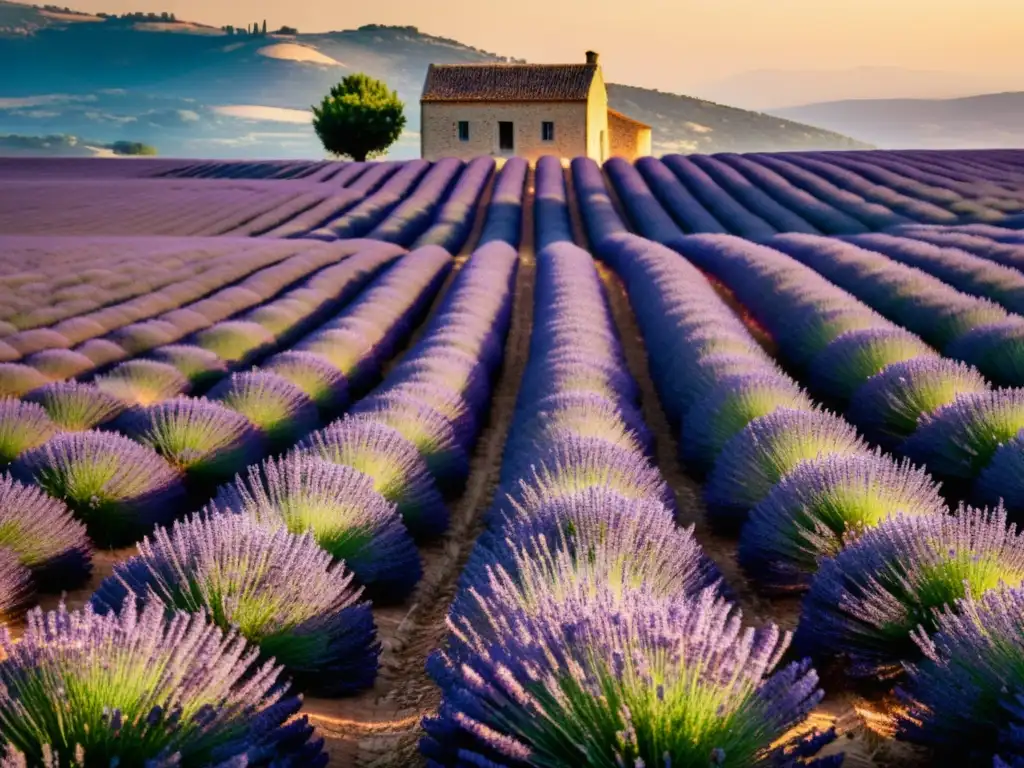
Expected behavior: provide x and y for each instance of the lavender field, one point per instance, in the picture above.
(698, 461)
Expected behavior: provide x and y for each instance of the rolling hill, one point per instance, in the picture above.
(976, 122)
(194, 90)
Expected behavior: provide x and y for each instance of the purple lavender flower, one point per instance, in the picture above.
(278, 408)
(340, 507)
(823, 505)
(280, 317)
(425, 427)
(117, 487)
(203, 439)
(963, 698)
(23, 425)
(200, 366)
(44, 535)
(75, 407)
(577, 413)
(322, 382)
(853, 358)
(641, 682)
(1002, 481)
(812, 329)
(17, 379)
(235, 341)
(277, 589)
(137, 688)
(449, 403)
(35, 339)
(15, 586)
(997, 350)
(102, 351)
(960, 439)
(577, 373)
(865, 604)
(570, 544)
(713, 421)
(58, 364)
(890, 406)
(683, 382)
(571, 466)
(453, 369)
(768, 449)
(398, 471)
(142, 337)
(143, 382)
(350, 351)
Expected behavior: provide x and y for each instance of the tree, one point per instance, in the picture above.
(360, 118)
(264, 32)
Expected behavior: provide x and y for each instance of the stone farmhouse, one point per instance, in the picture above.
(525, 110)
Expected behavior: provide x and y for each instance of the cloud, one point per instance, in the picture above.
(170, 118)
(19, 102)
(271, 114)
(107, 117)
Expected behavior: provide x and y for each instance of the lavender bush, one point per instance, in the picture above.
(820, 507)
(647, 682)
(140, 689)
(394, 464)
(867, 602)
(277, 589)
(117, 487)
(44, 536)
(341, 509)
(75, 407)
(23, 425)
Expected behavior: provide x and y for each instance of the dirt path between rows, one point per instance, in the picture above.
(380, 729)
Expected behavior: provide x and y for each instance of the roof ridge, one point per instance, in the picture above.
(510, 64)
(509, 81)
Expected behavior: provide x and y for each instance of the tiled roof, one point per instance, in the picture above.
(508, 82)
(627, 118)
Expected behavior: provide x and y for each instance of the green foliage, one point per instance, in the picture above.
(132, 148)
(359, 118)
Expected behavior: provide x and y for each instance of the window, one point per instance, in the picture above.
(547, 131)
(463, 130)
(505, 136)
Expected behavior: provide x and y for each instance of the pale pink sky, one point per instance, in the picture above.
(671, 43)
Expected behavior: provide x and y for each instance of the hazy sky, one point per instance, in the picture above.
(671, 44)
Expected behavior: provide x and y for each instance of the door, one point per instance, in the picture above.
(506, 134)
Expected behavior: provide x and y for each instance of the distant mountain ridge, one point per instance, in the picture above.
(773, 90)
(192, 90)
(976, 122)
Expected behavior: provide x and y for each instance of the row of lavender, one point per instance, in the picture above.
(843, 343)
(121, 487)
(890, 575)
(324, 516)
(296, 276)
(758, 195)
(232, 572)
(898, 589)
(89, 307)
(587, 626)
(336, 515)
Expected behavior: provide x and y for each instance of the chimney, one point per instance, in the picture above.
(591, 57)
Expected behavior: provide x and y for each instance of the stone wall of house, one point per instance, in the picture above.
(440, 129)
(629, 139)
(598, 138)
